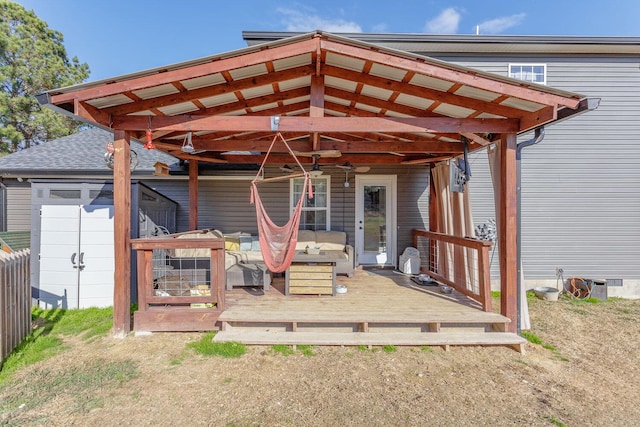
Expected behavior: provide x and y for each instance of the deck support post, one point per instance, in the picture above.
(508, 230)
(193, 194)
(122, 234)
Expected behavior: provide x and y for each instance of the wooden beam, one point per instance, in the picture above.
(507, 230)
(195, 123)
(538, 118)
(423, 147)
(216, 65)
(122, 234)
(211, 91)
(193, 194)
(316, 105)
(452, 74)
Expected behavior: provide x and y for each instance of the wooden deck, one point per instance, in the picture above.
(380, 307)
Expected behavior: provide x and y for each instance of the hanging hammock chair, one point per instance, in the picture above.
(278, 243)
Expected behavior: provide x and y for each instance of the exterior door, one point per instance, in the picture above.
(376, 219)
(76, 256)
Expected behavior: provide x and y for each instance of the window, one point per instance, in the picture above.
(533, 73)
(315, 211)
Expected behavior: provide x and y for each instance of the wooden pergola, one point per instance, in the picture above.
(369, 104)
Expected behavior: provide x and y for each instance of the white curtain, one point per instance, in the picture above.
(494, 166)
(455, 218)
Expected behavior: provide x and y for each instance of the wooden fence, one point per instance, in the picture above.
(460, 262)
(15, 300)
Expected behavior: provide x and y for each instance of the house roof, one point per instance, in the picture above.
(360, 101)
(481, 43)
(81, 153)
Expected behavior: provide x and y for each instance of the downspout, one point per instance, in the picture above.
(537, 138)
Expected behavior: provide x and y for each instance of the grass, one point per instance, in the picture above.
(285, 350)
(206, 347)
(534, 339)
(46, 338)
(82, 385)
(389, 348)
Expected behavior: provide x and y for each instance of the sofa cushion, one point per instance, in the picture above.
(331, 240)
(192, 252)
(306, 238)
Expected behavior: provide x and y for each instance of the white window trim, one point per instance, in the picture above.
(327, 178)
(529, 64)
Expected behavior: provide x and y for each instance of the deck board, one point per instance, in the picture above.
(369, 338)
(374, 296)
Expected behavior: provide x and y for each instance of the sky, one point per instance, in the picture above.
(117, 37)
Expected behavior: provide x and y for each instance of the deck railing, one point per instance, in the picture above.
(460, 262)
(15, 300)
(181, 283)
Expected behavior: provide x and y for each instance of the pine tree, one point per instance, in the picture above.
(33, 59)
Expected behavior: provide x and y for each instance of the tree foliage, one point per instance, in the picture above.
(33, 59)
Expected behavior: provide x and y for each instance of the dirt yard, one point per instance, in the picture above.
(585, 372)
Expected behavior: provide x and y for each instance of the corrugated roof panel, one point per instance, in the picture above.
(110, 101)
(376, 92)
(338, 83)
(304, 111)
(426, 134)
(366, 107)
(154, 92)
(387, 72)
(295, 83)
(453, 110)
(413, 101)
(294, 100)
(142, 113)
(257, 91)
(183, 107)
(431, 82)
(396, 114)
(264, 106)
(521, 104)
(293, 62)
(343, 61)
(471, 92)
(488, 116)
(335, 100)
(250, 71)
(214, 101)
(234, 113)
(334, 113)
(198, 82)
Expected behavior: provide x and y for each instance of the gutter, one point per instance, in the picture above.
(538, 137)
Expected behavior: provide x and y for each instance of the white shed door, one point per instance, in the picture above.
(76, 256)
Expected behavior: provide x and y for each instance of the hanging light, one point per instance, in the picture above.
(315, 171)
(149, 145)
(187, 144)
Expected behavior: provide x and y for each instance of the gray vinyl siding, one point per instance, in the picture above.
(18, 206)
(225, 204)
(581, 185)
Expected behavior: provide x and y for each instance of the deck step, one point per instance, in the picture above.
(333, 316)
(373, 338)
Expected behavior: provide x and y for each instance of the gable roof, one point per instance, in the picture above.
(369, 103)
(81, 153)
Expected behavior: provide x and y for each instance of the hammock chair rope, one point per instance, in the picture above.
(278, 243)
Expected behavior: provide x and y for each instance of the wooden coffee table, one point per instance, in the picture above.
(312, 274)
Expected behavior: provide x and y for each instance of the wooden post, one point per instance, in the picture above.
(507, 231)
(193, 194)
(122, 234)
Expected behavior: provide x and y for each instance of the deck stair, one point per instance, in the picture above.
(318, 328)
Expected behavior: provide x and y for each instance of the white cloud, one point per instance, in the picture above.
(445, 23)
(498, 25)
(295, 20)
(380, 28)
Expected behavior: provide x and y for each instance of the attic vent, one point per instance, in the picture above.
(614, 282)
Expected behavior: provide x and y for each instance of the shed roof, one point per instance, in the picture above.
(366, 103)
(81, 153)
